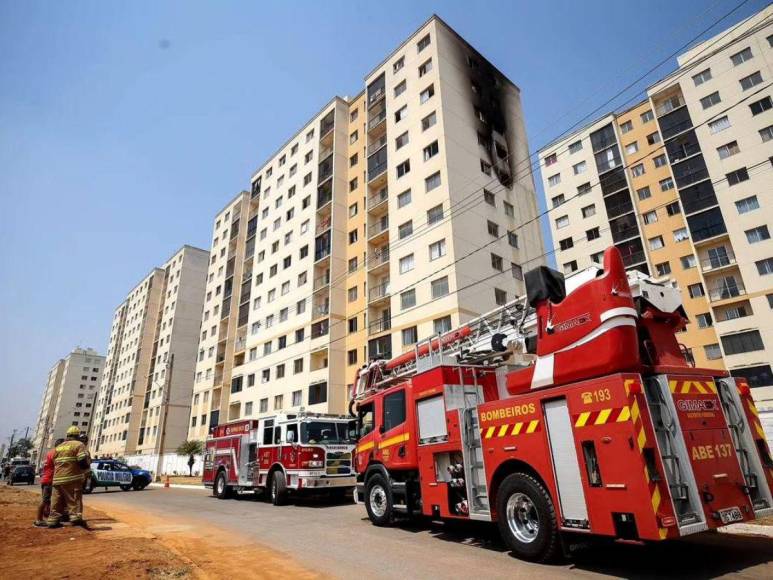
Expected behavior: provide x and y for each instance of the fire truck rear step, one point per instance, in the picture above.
(673, 452)
(749, 459)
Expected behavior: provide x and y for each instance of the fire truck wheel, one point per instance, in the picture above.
(527, 519)
(221, 489)
(278, 488)
(378, 501)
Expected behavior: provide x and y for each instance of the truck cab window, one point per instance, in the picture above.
(394, 409)
(277, 434)
(365, 416)
(268, 431)
(291, 436)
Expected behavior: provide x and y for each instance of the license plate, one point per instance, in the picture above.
(730, 515)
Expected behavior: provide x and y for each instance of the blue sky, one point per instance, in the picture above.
(125, 126)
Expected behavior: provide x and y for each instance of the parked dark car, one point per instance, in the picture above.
(22, 474)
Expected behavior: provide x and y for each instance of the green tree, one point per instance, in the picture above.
(20, 448)
(190, 448)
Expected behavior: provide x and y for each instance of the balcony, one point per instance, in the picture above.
(375, 144)
(378, 257)
(376, 95)
(381, 325)
(726, 291)
(378, 200)
(321, 254)
(321, 328)
(376, 123)
(321, 282)
(378, 229)
(633, 259)
(326, 125)
(240, 344)
(323, 225)
(718, 262)
(378, 292)
(322, 309)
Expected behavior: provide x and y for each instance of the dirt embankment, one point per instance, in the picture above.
(128, 544)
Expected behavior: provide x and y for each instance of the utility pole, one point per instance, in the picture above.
(165, 411)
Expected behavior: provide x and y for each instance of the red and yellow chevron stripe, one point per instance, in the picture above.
(602, 416)
(695, 387)
(511, 429)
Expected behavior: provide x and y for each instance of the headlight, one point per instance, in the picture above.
(313, 463)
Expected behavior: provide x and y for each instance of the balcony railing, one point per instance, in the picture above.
(323, 226)
(240, 344)
(376, 120)
(321, 310)
(378, 292)
(378, 228)
(376, 95)
(321, 282)
(631, 259)
(381, 325)
(379, 257)
(325, 128)
(378, 198)
(376, 144)
(717, 262)
(726, 291)
(321, 254)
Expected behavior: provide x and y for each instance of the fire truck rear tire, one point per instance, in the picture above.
(378, 500)
(278, 488)
(221, 489)
(527, 518)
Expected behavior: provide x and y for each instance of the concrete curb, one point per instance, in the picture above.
(177, 486)
(747, 530)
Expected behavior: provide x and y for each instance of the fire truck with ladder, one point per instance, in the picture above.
(574, 411)
(285, 453)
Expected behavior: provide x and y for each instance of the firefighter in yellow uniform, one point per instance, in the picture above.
(71, 462)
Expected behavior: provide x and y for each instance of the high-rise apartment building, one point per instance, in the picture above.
(144, 399)
(68, 398)
(389, 217)
(680, 183)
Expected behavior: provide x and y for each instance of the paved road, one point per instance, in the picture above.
(340, 541)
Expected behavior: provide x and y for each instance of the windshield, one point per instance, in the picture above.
(325, 432)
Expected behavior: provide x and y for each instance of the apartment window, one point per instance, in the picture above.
(401, 113)
(653, 138)
(408, 299)
(434, 214)
(644, 193)
(423, 43)
(353, 265)
(405, 230)
(353, 137)
(659, 161)
(404, 198)
(666, 184)
(704, 320)
(637, 170)
(764, 267)
(516, 271)
(509, 209)
(489, 198)
(696, 290)
(298, 366)
(401, 140)
(512, 239)
(442, 325)
(751, 81)
(747, 204)
(712, 351)
(710, 100)
(352, 323)
(485, 167)
(554, 180)
(702, 77)
(562, 222)
(431, 150)
(766, 134)
(353, 160)
(398, 64)
(761, 106)
(425, 67)
(353, 185)
(439, 287)
(656, 243)
(492, 228)
(496, 262)
(741, 57)
(352, 210)
(500, 297)
(406, 263)
(570, 267)
(735, 312)
(770, 40)
(663, 269)
(404, 168)
(647, 116)
(551, 159)
(758, 234)
(432, 181)
(587, 211)
(681, 235)
(688, 261)
(409, 336)
(308, 157)
(631, 148)
(625, 127)
(427, 94)
(351, 294)
(737, 176)
(428, 121)
(304, 251)
(437, 249)
(566, 243)
(742, 342)
(728, 149)
(351, 357)
(592, 234)
(400, 88)
(650, 217)
(575, 147)
(580, 167)
(673, 208)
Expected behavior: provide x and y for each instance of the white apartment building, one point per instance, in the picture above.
(409, 195)
(68, 398)
(146, 389)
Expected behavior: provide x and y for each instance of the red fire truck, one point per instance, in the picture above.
(572, 412)
(285, 453)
